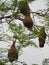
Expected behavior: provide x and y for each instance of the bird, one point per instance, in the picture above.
(28, 22)
(42, 37)
(13, 52)
(24, 7)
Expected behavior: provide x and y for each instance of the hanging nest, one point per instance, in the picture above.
(13, 52)
(42, 37)
(28, 22)
(24, 7)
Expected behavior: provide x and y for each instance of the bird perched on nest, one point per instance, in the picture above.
(13, 52)
(42, 37)
(28, 22)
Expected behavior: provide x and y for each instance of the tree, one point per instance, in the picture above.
(12, 10)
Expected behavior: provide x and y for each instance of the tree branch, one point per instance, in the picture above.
(40, 14)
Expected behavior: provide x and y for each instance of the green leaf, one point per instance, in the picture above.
(22, 3)
(2, 63)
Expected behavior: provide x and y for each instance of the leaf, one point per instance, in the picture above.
(22, 3)
(2, 63)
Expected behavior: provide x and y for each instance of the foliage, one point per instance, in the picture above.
(45, 61)
(19, 34)
(2, 63)
(30, 0)
(34, 64)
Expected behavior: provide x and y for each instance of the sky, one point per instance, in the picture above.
(38, 5)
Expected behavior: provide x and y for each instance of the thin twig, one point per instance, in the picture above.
(22, 62)
(40, 14)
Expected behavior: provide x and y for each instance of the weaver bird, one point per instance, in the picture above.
(13, 52)
(42, 37)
